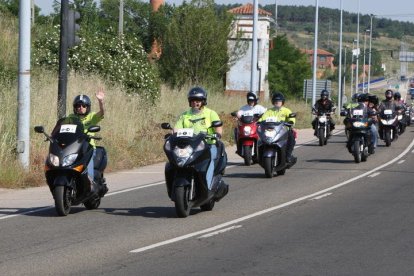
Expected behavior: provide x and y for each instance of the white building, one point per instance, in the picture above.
(239, 75)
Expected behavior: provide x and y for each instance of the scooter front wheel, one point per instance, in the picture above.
(321, 137)
(63, 203)
(357, 151)
(247, 150)
(268, 166)
(387, 138)
(182, 203)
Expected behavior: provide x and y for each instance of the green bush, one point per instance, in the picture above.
(119, 59)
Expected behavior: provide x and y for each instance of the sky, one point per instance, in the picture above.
(401, 10)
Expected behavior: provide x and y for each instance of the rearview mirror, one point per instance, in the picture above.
(216, 123)
(344, 113)
(39, 129)
(292, 115)
(165, 126)
(94, 128)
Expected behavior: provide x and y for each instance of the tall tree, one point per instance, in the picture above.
(288, 67)
(194, 44)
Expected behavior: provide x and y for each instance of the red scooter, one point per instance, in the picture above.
(246, 136)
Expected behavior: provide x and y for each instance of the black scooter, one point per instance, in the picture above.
(185, 172)
(66, 166)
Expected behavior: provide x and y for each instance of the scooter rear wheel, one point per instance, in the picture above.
(63, 204)
(208, 206)
(92, 203)
(322, 137)
(357, 152)
(387, 138)
(182, 203)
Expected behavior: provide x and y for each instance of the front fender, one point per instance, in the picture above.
(269, 152)
(61, 181)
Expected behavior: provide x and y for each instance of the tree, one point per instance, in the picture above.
(194, 44)
(288, 67)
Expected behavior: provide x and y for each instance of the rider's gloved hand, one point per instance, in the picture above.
(218, 135)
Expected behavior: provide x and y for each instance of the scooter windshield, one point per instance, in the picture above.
(67, 130)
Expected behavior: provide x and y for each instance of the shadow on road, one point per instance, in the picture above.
(149, 212)
(339, 161)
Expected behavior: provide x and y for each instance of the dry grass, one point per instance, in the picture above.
(131, 129)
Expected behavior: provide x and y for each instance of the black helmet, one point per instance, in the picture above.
(362, 98)
(251, 97)
(324, 94)
(277, 97)
(82, 99)
(355, 97)
(373, 99)
(397, 96)
(197, 93)
(389, 94)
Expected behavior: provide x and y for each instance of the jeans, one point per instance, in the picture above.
(91, 169)
(210, 170)
(374, 135)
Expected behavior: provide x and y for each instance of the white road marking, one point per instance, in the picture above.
(274, 208)
(219, 231)
(374, 174)
(412, 151)
(401, 161)
(321, 196)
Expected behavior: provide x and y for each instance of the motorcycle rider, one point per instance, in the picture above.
(400, 107)
(200, 118)
(387, 103)
(82, 111)
(251, 105)
(324, 105)
(282, 113)
(364, 100)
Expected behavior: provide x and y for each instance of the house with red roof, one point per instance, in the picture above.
(324, 59)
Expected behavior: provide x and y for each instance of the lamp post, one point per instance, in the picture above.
(344, 77)
(352, 65)
(315, 53)
(369, 56)
(363, 66)
(340, 95)
(358, 52)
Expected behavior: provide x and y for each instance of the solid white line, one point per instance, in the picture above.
(28, 212)
(321, 196)
(401, 161)
(412, 151)
(219, 231)
(374, 174)
(274, 208)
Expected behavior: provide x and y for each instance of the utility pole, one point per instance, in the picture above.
(340, 64)
(315, 53)
(275, 18)
(358, 52)
(63, 59)
(23, 98)
(121, 18)
(253, 76)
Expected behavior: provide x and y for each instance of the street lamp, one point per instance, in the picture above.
(369, 57)
(363, 66)
(358, 51)
(352, 65)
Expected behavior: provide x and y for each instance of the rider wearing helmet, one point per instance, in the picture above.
(323, 105)
(388, 102)
(82, 111)
(400, 107)
(251, 105)
(282, 113)
(200, 118)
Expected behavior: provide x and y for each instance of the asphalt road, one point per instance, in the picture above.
(326, 216)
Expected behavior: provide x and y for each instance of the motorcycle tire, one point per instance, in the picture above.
(92, 203)
(364, 154)
(247, 150)
(321, 136)
(63, 204)
(208, 206)
(182, 203)
(357, 151)
(268, 166)
(387, 138)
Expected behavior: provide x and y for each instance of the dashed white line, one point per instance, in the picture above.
(401, 161)
(374, 174)
(321, 196)
(219, 231)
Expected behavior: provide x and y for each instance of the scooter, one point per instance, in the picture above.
(388, 126)
(189, 157)
(66, 166)
(246, 136)
(359, 134)
(272, 145)
(323, 126)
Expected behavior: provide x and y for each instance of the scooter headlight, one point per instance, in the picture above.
(54, 160)
(167, 146)
(69, 159)
(270, 133)
(183, 152)
(200, 146)
(359, 124)
(247, 130)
